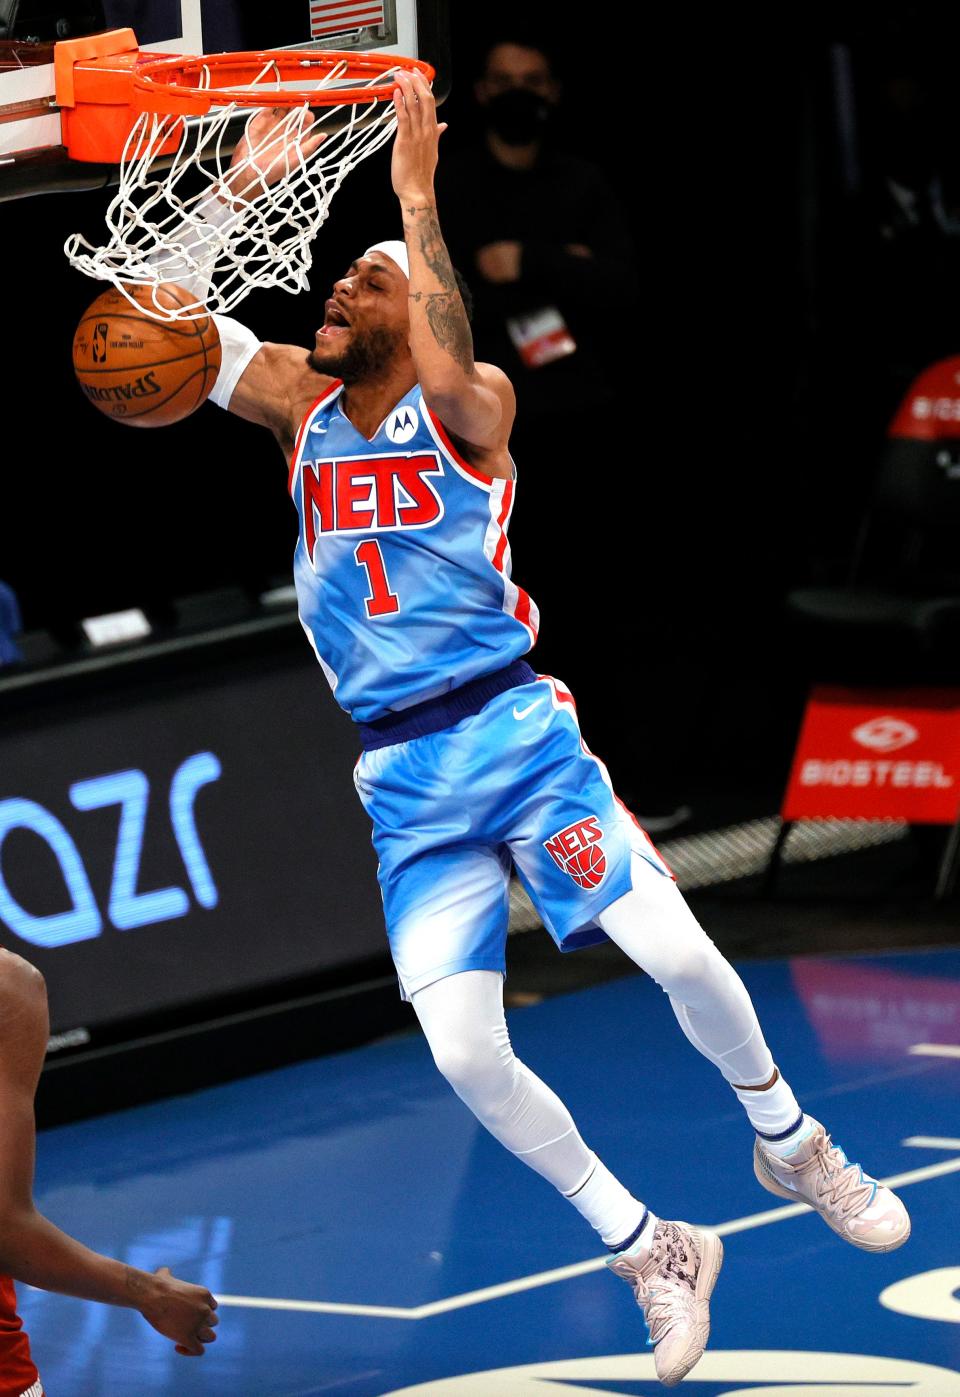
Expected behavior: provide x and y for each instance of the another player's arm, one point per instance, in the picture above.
(475, 401)
(31, 1248)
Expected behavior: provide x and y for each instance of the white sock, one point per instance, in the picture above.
(774, 1111)
(642, 1239)
(609, 1207)
(787, 1146)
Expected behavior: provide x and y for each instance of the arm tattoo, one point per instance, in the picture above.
(448, 322)
(445, 311)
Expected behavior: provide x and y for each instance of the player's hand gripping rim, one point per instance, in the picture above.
(415, 146)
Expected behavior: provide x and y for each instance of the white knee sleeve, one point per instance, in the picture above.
(462, 1019)
(654, 926)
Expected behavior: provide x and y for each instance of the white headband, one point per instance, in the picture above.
(396, 251)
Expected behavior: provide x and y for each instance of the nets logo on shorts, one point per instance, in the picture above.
(578, 851)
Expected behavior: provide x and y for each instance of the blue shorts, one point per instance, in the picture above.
(452, 810)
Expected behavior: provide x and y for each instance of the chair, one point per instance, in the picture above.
(896, 620)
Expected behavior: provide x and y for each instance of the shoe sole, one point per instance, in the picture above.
(772, 1184)
(711, 1259)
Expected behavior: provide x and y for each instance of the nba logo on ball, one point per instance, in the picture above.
(402, 425)
(577, 850)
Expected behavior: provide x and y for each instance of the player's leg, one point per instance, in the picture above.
(655, 927)
(653, 924)
(446, 906)
(587, 864)
(463, 1021)
(671, 1266)
(444, 869)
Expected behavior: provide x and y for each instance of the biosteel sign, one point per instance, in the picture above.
(877, 754)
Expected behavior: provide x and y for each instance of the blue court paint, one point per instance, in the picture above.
(361, 1179)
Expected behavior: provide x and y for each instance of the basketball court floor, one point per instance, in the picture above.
(366, 1237)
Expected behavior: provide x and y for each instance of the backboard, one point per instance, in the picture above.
(33, 159)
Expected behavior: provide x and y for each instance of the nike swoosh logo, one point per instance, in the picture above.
(520, 713)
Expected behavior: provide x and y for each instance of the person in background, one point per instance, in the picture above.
(542, 240)
(540, 236)
(32, 1249)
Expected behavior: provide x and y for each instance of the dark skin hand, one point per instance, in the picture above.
(32, 1249)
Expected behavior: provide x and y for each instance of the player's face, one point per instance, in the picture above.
(366, 321)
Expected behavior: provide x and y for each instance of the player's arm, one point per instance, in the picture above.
(269, 384)
(262, 383)
(475, 401)
(32, 1249)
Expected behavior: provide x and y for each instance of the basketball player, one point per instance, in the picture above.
(31, 1248)
(399, 467)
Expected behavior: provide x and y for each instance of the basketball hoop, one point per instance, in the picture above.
(174, 217)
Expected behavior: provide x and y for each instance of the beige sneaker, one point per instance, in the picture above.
(673, 1282)
(858, 1209)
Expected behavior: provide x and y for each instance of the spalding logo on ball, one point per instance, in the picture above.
(141, 370)
(578, 850)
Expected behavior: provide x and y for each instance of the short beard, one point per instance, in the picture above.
(367, 356)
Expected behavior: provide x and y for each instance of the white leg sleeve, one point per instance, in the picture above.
(654, 926)
(462, 1018)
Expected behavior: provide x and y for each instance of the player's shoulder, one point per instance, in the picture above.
(302, 388)
(493, 377)
(20, 982)
(292, 362)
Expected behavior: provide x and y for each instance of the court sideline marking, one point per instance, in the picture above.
(582, 1268)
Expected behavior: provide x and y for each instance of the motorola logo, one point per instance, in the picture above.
(402, 425)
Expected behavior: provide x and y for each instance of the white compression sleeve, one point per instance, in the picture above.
(238, 345)
(200, 238)
(462, 1018)
(654, 926)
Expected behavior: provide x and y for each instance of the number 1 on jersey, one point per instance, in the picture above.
(381, 601)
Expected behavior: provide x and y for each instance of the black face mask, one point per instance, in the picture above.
(518, 116)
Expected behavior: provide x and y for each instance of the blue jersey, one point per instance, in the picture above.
(402, 564)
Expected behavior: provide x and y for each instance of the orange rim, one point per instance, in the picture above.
(158, 85)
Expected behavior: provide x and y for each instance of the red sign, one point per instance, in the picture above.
(931, 409)
(877, 754)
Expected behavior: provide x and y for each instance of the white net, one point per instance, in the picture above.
(175, 219)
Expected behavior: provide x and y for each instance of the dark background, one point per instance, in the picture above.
(280, 828)
(776, 325)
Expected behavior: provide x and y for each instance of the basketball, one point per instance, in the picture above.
(140, 370)
(588, 867)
